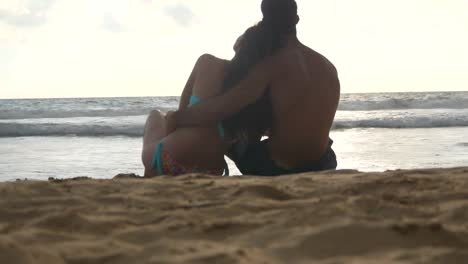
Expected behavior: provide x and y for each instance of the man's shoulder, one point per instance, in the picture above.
(292, 53)
(280, 60)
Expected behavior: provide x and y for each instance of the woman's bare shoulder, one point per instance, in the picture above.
(209, 59)
(210, 75)
(209, 64)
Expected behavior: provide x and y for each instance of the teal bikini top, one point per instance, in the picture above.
(196, 100)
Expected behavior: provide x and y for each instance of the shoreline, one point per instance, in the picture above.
(403, 216)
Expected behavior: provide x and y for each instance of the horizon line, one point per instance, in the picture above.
(148, 96)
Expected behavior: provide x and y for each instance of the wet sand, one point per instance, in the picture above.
(418, 216)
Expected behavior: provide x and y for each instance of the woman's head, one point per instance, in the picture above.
(257, 43)
(251, 47)
(237, 44)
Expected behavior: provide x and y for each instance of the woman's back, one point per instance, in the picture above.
(201, 147)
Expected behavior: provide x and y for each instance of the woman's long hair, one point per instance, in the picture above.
(257, 43)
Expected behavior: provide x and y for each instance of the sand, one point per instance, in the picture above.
(418, 216)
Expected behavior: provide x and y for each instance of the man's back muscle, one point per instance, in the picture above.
(305, 93)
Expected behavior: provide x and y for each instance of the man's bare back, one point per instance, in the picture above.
(305, 92)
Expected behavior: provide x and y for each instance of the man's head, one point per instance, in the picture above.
(280, 13)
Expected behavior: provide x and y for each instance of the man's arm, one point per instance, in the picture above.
(216, 109)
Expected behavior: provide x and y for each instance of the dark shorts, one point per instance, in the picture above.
(255, 159)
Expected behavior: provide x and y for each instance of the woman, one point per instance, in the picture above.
(188, 150)
(202, 149)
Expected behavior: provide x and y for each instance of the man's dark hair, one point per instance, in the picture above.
(258, 42)
(280, 15)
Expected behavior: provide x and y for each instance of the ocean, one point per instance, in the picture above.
(102, 137)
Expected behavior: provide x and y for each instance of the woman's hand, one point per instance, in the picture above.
(171, 122)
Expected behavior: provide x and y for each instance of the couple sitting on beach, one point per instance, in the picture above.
(274, 86)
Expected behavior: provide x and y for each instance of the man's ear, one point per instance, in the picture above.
(297, 19)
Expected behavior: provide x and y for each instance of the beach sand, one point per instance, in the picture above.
(418, 216)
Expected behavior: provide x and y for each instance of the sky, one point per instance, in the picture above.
(114, 48)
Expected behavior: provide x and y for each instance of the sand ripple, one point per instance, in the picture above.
(418, 216)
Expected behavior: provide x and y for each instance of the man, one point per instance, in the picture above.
(304, 91)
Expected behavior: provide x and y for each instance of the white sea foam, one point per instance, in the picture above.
(410, 118)
(389, 101)
(132, 126)
(417, 122)
(70, 108)
(25, 130)
(126, 116)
